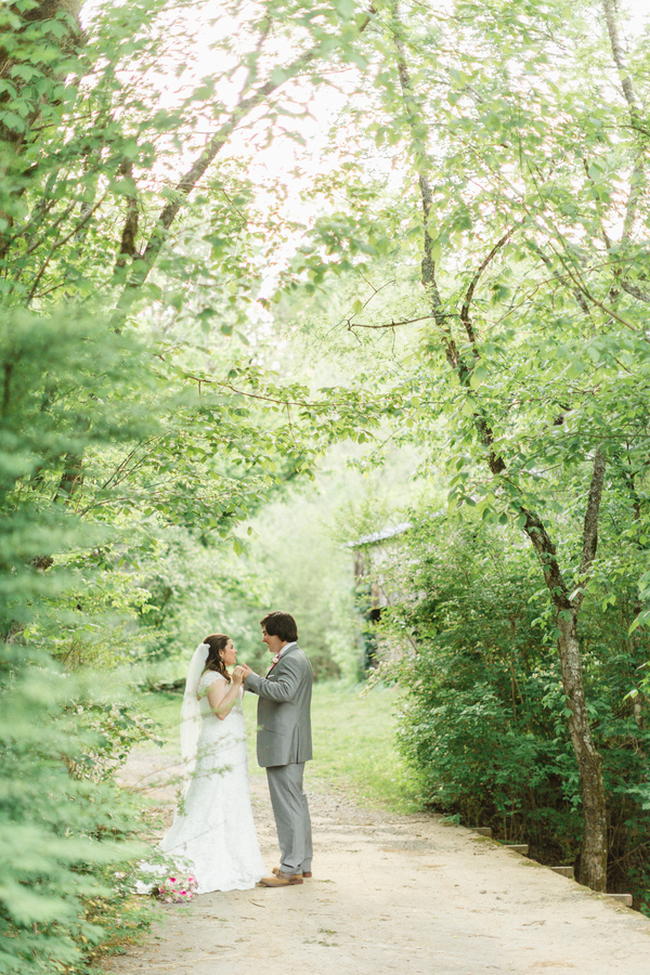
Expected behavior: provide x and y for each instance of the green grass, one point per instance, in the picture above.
(354, 742)
(354, 745)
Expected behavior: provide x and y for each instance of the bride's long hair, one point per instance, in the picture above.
(216, 643)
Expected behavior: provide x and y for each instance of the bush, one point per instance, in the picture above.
(65, 826)
(484, 722)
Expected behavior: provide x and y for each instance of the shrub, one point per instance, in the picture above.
(64, 833)
(484, 721)
(65, 826)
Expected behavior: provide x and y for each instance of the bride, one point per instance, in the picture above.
(213, 833)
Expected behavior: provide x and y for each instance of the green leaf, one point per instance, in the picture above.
(13, 121)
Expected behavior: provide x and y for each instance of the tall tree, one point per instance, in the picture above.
(529, 198)
(526, 211)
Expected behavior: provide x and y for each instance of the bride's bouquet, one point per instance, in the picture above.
(176, 889)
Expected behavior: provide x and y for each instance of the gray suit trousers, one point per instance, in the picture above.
(291, 816)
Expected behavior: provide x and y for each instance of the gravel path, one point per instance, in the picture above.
(390, 894)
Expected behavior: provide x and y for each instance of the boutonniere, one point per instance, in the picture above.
(273, 663)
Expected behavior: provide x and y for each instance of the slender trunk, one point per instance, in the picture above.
(592, 868)
(594, 851)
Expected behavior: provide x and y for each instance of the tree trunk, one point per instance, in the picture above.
(592, 868)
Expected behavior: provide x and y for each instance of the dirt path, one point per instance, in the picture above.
(407, 894)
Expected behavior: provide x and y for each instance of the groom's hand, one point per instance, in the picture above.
(247, 671)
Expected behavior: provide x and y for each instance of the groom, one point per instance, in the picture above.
(284, 743)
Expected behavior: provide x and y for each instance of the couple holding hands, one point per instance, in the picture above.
(213, 833)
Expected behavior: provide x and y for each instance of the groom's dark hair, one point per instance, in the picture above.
(282, 625)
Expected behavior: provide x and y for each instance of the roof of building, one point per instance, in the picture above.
(380, 536)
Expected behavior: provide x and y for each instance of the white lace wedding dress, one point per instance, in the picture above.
(213, 833)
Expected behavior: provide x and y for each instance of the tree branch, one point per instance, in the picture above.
(242, 392)
(635, 291)
(59, 243)
(123, 470)
(428, 268)
(637, 179)
(575, 277)
(185, 185)
(464, 312)
(590, 527)
(407, 321)
(547, 553)
(637, 182)
(610, 9)
(423, 164)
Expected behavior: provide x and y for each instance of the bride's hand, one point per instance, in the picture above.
(238, 675)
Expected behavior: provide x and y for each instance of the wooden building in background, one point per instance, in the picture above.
(376, 557)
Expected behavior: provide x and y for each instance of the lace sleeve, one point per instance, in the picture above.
(208, 678)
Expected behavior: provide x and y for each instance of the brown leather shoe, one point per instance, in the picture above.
(281, 880)
(306, 873)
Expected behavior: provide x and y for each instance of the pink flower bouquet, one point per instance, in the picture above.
(176, 889)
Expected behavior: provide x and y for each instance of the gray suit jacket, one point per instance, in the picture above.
(283, 710)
